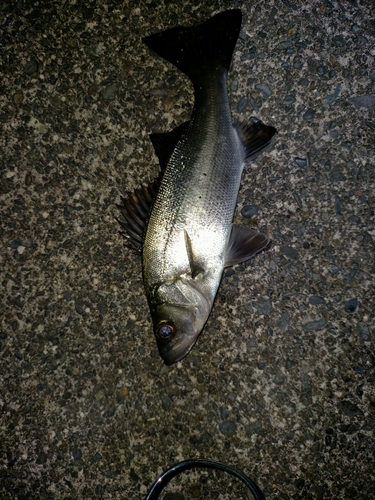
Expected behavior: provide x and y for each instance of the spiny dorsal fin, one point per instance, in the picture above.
(244, 244)
(135, 209)
(255, 137)
(136, 206)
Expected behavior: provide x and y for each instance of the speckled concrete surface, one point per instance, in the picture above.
(281, 382)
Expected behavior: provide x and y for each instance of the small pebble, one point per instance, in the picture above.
(349, 409)
(308, 115)
(263, 89)
(224, 413)
(109, 93)
(234, 86)
(289, 363)
(364, 101)
(316, 324)
(77, 454)
(67, 296)
(334, 269)
(283, 321)
(354, 219)
(371, 408)
(337, 176)
(337, 205)
(256, 105)
(273, 14)
(124, 391)
(297, 199)
(242, 104)
(360, 370)
(339, 41)
(111, 410)
(298, 62)
(289, 99)
(301, 162)
(227, 427)
(174, 496)
(274, 179)
(331, 98)
(18, 98)
(79, 309)
(289, 252)
(351, 305)
(286, 44)
(99, 490)
(363, 331)
(250, 210)
(315, 300)
(263, 305)
(361, 41)
(16, 244)
(279, 379)
(31, 67)
(28, 179)
(97, 457)
(166, 402)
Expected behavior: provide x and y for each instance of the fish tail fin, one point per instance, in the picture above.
(200, 50)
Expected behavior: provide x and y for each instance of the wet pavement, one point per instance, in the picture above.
(281, 382)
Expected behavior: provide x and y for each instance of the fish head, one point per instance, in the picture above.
(179, 310)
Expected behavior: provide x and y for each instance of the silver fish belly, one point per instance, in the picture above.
(188, 237)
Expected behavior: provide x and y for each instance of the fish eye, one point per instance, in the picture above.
(165, 330)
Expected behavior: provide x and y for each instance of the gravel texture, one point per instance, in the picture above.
(281, 382)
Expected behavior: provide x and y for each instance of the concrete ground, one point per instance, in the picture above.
(281, 382)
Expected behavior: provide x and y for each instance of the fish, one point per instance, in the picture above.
(182, 222)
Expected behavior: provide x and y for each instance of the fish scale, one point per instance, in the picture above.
(185, 195)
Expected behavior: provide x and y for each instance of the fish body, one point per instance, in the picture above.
(189, 238)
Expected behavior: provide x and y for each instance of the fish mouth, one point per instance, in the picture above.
(176, 352)
(173, 357)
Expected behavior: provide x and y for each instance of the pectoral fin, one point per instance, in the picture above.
(244, 244)
(255, 137)
(195, 267)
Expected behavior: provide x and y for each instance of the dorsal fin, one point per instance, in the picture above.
(136, 206)
(135, 209)
(165, 143)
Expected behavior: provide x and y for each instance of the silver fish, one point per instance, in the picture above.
(183, 221)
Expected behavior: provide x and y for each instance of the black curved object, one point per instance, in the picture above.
(176, 469)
